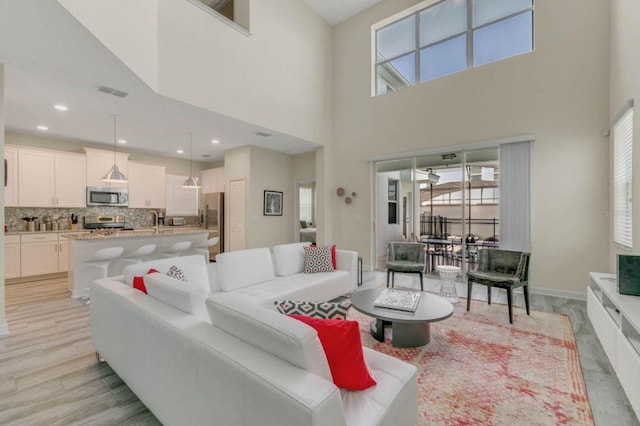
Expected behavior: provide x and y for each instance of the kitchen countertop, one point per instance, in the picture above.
(60, 231)
(138, 232)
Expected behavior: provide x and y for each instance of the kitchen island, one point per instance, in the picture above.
(83, 246)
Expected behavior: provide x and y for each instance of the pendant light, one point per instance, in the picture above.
(114, 175)
(191, 182)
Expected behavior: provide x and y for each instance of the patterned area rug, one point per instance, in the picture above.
(479, 369)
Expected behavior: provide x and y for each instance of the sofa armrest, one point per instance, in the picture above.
(347, 260)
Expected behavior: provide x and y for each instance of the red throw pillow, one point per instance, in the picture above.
(333, 257)
(340, 340)
(138, 282)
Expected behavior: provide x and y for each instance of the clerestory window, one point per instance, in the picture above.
(450, 36)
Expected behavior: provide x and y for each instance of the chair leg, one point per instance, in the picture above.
(525, 290)
(469, 288)
(509, 302)
(388, 273)
(489, 294)
(421, 287)
(393, 279)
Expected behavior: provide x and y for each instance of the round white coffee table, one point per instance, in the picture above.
(410, 329)
(448, 274)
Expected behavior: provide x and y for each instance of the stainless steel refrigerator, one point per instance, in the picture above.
(214, 220)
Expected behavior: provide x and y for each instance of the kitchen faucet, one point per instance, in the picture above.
(155, 221)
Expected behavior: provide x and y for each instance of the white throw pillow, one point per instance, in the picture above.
(193, 267)
(188, 297)
(289, 258)
(269, 330)
(242, 268)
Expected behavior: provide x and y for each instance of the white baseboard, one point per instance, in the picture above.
(558, 293)
(4, 329)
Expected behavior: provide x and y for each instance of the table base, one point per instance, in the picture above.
(403, 335)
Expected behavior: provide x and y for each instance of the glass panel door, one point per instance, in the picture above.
(393, 182)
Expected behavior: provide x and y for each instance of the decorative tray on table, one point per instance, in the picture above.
(401, 300)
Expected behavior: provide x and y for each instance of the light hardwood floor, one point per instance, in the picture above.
(49, 374)
(48, 370)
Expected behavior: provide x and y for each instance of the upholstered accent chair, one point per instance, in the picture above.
(407, 258)
(503, 269)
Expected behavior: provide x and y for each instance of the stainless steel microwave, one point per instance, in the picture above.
(107, 196)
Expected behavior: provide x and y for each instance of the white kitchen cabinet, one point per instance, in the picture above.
(11, 173)
(39, 254)
(70, 180)
(63, 254)
(36, 175)
(12, 256)
(146, 186)
(51, 179)
(213, 180)
(100, 161)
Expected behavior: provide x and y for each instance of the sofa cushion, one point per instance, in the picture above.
(317, 259)
(312, 287)
(193, 267)
(320, 310)
(237, 269)
(341, 343)
(289, 258)
(269, 330)
(186, 296)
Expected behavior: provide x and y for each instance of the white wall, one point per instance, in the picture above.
(624, 84)
(128, 28)
(4, 329)
(278, 77)
(273, 171)
(559, 92)
(263, 170)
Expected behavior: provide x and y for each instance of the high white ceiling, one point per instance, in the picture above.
(336, 11)
(51, 59)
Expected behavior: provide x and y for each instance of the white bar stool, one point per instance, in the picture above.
(138, 256)
(177, 249)
(102, 259)
(204, 249)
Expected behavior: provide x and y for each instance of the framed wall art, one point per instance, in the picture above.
(272, 203)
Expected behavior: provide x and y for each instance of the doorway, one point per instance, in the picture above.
(305, 226)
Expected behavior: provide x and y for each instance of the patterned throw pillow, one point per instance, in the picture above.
(317, 259)
(321, 310)
(175, 272)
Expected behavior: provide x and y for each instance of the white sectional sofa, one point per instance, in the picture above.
(213, 350)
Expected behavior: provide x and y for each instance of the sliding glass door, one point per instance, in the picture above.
(449, 202)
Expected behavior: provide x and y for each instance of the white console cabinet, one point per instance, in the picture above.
(616, 320)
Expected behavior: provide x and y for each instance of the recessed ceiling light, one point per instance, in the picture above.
(61, 107)
(179, 151)
(215, 141)
(42, 128)
(122, 141)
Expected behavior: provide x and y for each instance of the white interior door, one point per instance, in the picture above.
(237, 215)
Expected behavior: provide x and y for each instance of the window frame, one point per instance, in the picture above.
(623, 179)
(415, 12)
(392, 203)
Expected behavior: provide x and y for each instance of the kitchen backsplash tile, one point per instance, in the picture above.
(134, 218)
